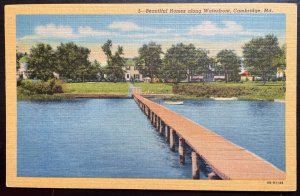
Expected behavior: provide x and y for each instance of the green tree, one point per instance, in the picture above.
(180, 62)
(72, 61)
(260, 54)
(149, 61)
(115, 62)
(41, 62)
(280, 60)
(203, 62)
(230, 63)
(95, 71)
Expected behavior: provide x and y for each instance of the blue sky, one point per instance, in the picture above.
(212, 32)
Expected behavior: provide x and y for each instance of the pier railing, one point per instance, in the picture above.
(134, 90)
(227, 160)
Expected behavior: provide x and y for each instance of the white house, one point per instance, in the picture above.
(23, 70)
(219, 78)
(132, 74)
(280, 73)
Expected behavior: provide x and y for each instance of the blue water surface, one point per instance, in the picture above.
(257, 126)
(92, 138)
(113, 138)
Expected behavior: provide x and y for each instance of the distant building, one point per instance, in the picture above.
(197, 78)
(131, 73)
(205, 77)
(23, 71)
(246, 76)
(219, 78)
(280, 73)
(147, 79)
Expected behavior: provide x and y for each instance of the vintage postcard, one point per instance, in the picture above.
(151, 96)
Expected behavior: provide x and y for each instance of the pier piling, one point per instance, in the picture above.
(167, 133)
(181, 151)
(195, 166)
(153, 118)
(213, 176)
(158, 123)
(161, 127)
(172, 139)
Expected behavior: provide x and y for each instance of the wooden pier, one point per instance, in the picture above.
(227, 160)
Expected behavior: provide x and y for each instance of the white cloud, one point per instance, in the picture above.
(208, 28)
(148, 33)
(125, 26)
(140, 35)
(161, 30)
(88, 31)
(131, 26)
(52, 30)
(55, 31)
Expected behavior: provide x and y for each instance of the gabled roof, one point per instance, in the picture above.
(245, 73)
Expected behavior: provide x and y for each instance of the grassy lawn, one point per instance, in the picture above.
(116, 88)
(243, 91)
(97, 87)
(157, 88)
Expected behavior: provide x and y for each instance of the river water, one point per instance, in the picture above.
(113, 138)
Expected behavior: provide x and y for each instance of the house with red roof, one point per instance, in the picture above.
(246, 76)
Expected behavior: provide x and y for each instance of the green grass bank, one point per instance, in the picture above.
(182, 91)
(120, 88)
(155, 88)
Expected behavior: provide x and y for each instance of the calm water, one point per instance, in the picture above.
(257, 126)
(113, 138)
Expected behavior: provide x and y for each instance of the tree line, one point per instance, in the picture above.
(262, 56)
(68, 60)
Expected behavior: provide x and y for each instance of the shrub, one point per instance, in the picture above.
(209, 90)
(242, 91)
(39, 87)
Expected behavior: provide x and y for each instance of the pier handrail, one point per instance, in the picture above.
(227, 160)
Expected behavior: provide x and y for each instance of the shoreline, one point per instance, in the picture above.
(96, 95)
(171, 97)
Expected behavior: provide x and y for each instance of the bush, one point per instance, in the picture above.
(209, 91)
(39, 87)
(254, 91)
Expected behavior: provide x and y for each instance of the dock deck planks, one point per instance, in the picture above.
(228, 160)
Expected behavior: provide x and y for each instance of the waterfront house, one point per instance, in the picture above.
(147, 79)
(197, 78)
(280, 73)
(219, 78)
(23, 71)
(246, 76)
(131, 72)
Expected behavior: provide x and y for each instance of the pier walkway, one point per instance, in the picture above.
(227, 160)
